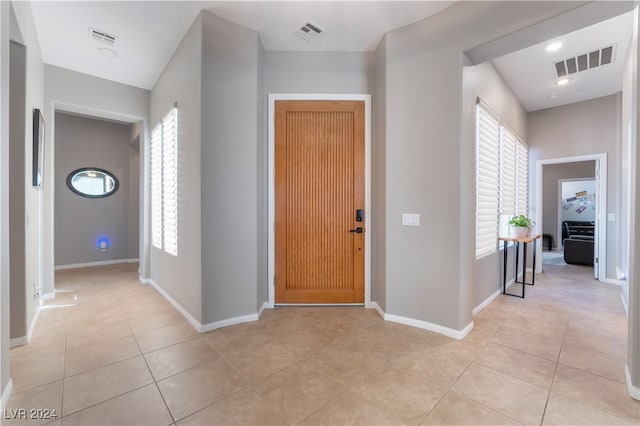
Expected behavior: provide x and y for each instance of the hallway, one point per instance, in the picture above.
(109, 350)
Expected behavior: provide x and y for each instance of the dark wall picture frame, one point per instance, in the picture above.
(38, 148)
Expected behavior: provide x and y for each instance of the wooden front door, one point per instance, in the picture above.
(319, 187)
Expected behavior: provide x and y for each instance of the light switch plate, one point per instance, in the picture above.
(611, 217)
(410, 219)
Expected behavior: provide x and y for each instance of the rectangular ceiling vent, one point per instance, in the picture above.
(309, 31)
(585, 61)
(101, 36)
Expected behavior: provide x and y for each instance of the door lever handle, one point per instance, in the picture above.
(358, 230)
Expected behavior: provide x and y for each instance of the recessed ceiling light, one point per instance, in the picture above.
(108, 52)
(554, 46)
(563, 81)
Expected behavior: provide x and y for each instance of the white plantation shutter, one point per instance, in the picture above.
(156, 187)
(170, 181)
(507, 172)
(487, 180)
(164, 184)
(522, 178)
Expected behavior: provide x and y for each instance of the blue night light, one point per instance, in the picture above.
(103, 243)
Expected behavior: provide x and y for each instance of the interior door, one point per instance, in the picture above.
(319, 202)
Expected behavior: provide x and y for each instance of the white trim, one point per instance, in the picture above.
(49, 296)
(612, 281)
(601, 206)
(493, 297)
(264, 306)
(194, 322)
(367, 196)
(374, 305)
(6, 394)
(425, 325)
(24, 340)
(624, 305)
(203, 328)
(634, 391)
(98, 263)
(486, 302)
(229, 321)
(32, 326)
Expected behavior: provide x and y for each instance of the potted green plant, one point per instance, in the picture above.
(520, 226)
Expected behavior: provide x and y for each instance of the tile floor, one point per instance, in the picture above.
(110, 351)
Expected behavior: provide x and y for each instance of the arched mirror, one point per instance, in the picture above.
(92, 182)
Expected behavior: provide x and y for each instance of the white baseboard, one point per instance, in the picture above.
(374, 305)
(613, 281)
(624, 304)
(436, 328)
(487, 301)
(6, 394)
(229, 321)
(98, 263)
(634, 391)
(24, 340)
(264, 306)
(203, 328)
(493, 297)
(194, 322)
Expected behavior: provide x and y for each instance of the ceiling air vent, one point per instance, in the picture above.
(585, 61)
(102, 36)
(309, 31)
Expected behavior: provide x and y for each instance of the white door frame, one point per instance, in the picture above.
(273, 97)
(601, 206)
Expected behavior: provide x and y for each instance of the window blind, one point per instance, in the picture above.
(487, 180)
(507, 172)
(522, 178)
(156, 187)
(170, 181)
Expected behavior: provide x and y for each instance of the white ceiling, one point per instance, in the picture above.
(148, 32)
(531, 72)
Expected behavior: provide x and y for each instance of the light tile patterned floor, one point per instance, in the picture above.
(109, 350)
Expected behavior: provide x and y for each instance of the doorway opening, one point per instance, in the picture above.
(569, 212)
(102, 230)
(571, 198)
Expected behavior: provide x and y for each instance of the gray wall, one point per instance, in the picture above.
(262, 278)
(424, 148)
(136, 135)
(589, 127)
(318, 72)
(378, 222)
(632, 123)
(483, 81)
(551, 174)
(4, 199)
(230, 56)
(17, 225)
(26, 34)
(80, 222)
(74, 92)
(181, 82)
